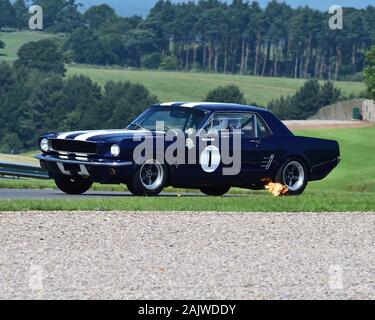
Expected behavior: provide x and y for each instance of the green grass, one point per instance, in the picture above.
(14, 41)
(189, 86)
(28, 184)
(357, 169)
(35, 184)
(26, 158)
(311, 202)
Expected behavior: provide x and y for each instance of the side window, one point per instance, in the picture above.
(232, 121)
(248, 127)
(263, 131)
(251, 125)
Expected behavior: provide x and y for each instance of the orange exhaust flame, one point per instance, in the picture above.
(277, 189)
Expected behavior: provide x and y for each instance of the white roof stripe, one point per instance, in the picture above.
(169, 104)
(192, 104)
(196, 104)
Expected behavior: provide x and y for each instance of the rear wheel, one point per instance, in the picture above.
(294, 175)
(215, 191)
(73, 186)
(149, 180)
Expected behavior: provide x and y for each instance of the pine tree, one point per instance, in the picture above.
(370, 74)
(21, 14)
(43, 55)
(226, 94)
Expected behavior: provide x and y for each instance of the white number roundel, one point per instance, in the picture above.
(210, 159)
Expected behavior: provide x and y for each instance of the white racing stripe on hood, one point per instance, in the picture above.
(67, 134)
(92, 134)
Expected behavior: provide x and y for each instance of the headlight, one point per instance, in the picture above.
(115, 150)
(44, 145)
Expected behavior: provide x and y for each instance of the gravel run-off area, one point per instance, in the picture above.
(187, 255)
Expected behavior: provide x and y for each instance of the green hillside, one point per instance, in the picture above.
(15, 40)
(188, 86)
(176, 86)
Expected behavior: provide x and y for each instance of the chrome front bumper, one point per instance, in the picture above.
(99, 162)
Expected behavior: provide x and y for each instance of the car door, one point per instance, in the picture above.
(257, 150)
(218, 150)
(203, 165)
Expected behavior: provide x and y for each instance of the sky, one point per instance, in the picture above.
(141, 7)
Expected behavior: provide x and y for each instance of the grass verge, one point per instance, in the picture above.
(257, 202)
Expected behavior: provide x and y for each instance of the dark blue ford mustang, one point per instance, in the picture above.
(268, 151)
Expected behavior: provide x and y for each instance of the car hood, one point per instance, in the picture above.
(100, 135)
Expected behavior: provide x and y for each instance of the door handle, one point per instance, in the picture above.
(208, 139)
(257, 141)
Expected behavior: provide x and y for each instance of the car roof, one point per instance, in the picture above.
(213, 106)
(276, 126)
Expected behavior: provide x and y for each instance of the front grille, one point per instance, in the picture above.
(74, 146)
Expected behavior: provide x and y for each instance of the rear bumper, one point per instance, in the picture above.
(98, 170)
(322, 170)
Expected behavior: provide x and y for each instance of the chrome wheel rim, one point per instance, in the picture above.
(294, 176)
(151, 174)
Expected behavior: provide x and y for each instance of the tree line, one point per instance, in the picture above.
(370, 74)
(33, 102)
(36, 98)
(312, 96)
(306, 102)
(210, 35)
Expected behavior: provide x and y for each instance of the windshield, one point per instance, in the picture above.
(172, 118)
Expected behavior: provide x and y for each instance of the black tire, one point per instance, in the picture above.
(215, 191)
(293, 174)
(73, 186)
(149, 179)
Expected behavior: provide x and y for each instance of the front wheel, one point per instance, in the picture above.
(149, 179)
(73, 186)
(215, 191)
(294, 175)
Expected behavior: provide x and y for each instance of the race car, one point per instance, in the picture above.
(207, 146)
